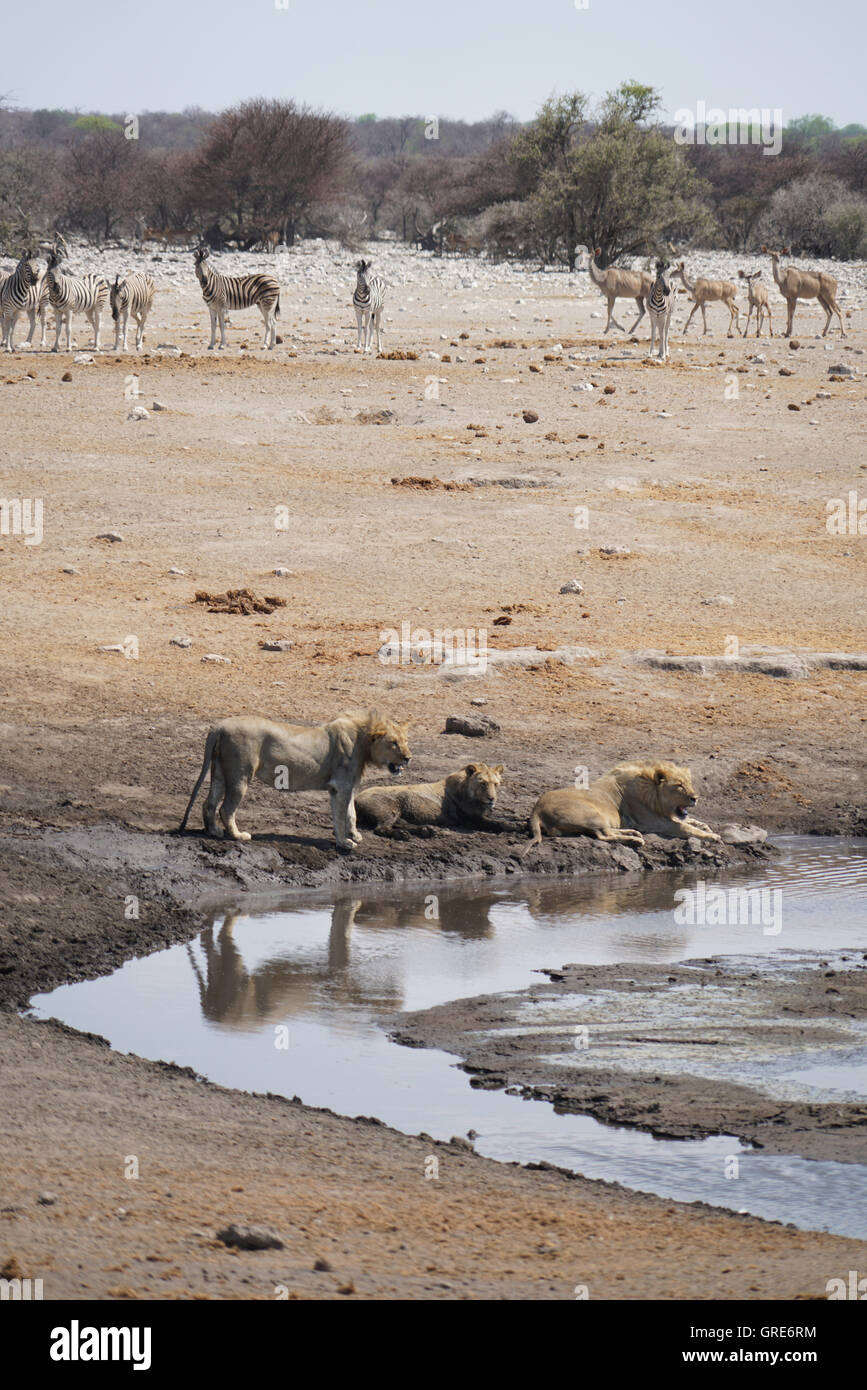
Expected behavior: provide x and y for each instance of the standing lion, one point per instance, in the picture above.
(292, 757)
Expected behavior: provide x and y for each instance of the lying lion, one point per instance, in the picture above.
(461, 797)
(631, 798)
(292, 757)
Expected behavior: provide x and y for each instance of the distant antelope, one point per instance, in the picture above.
(134, 295)
(368, 300)
(224, 292)
(660, 303)
(805, 284)
(71, 294)
(758, 300)
(706, 292)
(620, 284)
(170, 236)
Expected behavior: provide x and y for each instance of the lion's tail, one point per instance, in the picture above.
(534, 825)
(211, 747)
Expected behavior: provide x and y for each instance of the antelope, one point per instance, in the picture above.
(706, 292)
(758, 300)
(170, 236)
(805, 284)
(620, 284)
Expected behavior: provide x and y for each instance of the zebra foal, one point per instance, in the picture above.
(73, 294)
(660, 304)
(134, 295)
(222, 293)
(368, 300)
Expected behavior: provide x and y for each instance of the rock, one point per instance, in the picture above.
(529, 416)
(609, 550)
(67, 376)
(786, 371)
(480, 727)
(139, 412)
(214, 656)
(794, 344)
(480, 700)
(158, 405)
(47, 1199)
(83, 359)
(282, 573)
(584, 386)
(759, 358)
(109, 536)
(840, 369)
(70, 569)
(718, 601)
(572, 586)
(609, 390)
(276, 644)
(180, 641)
(323, 1266)
(250, 1237)
(174, 570)
(743, 835)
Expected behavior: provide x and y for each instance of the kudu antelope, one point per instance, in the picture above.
(805, 284)
(620, 284)
(706, 292)
(758, 300)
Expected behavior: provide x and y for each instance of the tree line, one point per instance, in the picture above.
(607, 174)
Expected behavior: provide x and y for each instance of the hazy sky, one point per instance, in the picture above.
(453, 58)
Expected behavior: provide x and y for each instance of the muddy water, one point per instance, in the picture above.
(296, 1001)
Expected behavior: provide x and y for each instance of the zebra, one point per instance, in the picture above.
(224, 292)
(72, 294)
(660, 303)
(134, 295)
(368, 300)
(22, 291)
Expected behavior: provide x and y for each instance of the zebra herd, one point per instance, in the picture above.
(28, 290)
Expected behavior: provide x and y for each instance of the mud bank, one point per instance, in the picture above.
(83, 900)
(682, 1051)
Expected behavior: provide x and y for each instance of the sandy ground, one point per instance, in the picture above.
(712, 495)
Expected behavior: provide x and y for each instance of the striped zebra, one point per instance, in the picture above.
(224, 292)
(134, 295)
(660, 304)
(22, 292)
(72, 294)
(368, 300)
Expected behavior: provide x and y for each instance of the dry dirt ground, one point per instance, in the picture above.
(713, 494)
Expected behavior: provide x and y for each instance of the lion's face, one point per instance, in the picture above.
(674, 790)
(482, 784)
(389, 748)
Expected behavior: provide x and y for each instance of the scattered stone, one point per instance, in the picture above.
(786, 371)
(282, 573)
(67, 376)
(840, 369)
(529, 416)
(323, 1266)
(70, 569)
(250, 1237)
(83, 359)
(174, 570)
(139, 412)
(610, 550)
(47, 1199)
(584, 386)
(109, 536)
(794, 344)
(572, 586)
(276, 644)
(609, 390)
(158, 405)
(743, 835)
(718, 601)
(794, 407)
(180, 641)
(213, 656)
(480, 727)
(759, 358)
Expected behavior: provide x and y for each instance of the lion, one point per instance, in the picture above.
(631, 798)
(294, 757)
(460, 797)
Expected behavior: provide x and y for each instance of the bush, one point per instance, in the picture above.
(817, 216)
